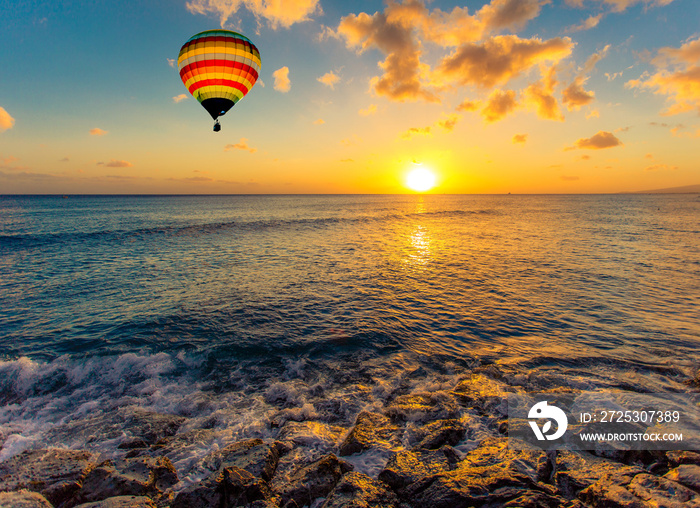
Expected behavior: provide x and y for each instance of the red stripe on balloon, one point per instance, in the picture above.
(217, 82)
(219, 63)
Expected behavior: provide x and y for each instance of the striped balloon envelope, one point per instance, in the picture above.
(218, 67)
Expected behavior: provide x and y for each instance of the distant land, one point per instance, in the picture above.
(686, 189)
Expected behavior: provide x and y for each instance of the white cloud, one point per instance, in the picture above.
(276, 12)
(282, 82)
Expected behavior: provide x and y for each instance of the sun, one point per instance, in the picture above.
(420, 179)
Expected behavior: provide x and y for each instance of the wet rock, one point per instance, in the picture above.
(23, 499)
(356, 490)
(253, 455)
(641, 490)
(311, 481)
(128, 477)
(575, 471)
(686, 474)
(407, 467)
(56, 474)
(484, 394)
(677, 457)
(369, 429)
(536, 499)
(438, 433)
(423, 407)
(490, 475)
(150, 426)
(311, 433)
(121, 502)
(232, 486)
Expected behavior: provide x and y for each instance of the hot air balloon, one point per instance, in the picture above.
(218, 67)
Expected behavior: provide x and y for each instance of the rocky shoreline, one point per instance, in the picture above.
(416, 438)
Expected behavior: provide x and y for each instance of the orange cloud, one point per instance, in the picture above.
(500, 59)
(414, 131)
(329, 79)
(114, 163)
(499, 104)
(468, 105)
(540, 96)
(6, 120)
(677, 77)
(574, 96)
(282, 82)
(241, 145)
(600, 140)
(660, 167)
(97, 132)
(519, 138)
(276, 12)
(590, 22)
(320, 121)
(369, 110)
(179, 98)
(392, 33)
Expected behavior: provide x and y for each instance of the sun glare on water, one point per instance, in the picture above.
(420, 179)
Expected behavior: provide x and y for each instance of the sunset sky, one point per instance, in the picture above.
(521, 96)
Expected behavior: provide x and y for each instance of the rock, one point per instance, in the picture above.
(490, 475)
(311, 481)
(56, 474)
(253, 455)
(423, 407)
(484, 394)
(438, 433)
(677, 457)
(575, 471)
(128, 477)
(241, 488)
(641, 490)
(686, 474)
(356, 490)
(311, 433)
(121, 502)
(150, 426)
(369, 429)
(406, 467)
(536, 499)
(23, 499)
(205, 494)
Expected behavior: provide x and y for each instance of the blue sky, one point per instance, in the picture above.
(604, 95)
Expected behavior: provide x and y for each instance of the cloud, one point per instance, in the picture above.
(276, 12)
(500, 59)
(320, 121)
(171, 62)
(282, 83)
(241, 145)
(590, 22)
(65, 159)
(677, 77)
(620, 5)
(329, 79)
(114, 163)
(660, 167)
(369, 110)
(520, 138)
(499, 104)
(97, 132)
(180, 98)
(602, 139)
(6, 120)
(449, 123)
(540, 96)
(569, 178)
(468, 105)
(416, 131)
(392, 32)
(574, 96)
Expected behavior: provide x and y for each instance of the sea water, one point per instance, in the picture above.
(242, 312)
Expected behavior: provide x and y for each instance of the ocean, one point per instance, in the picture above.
(239, 313)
